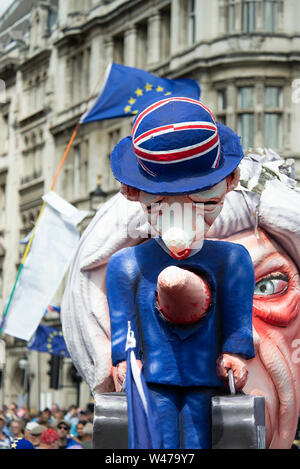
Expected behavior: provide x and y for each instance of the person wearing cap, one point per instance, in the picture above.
(65, 441)
(35, 434)
(188, 299)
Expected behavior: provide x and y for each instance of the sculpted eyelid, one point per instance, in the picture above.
(273, 265)
(275, 275)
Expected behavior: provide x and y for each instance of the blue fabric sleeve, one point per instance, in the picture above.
(121, 280)
(237, 291)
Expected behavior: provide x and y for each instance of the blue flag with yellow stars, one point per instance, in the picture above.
(49, 339)
(128, 90)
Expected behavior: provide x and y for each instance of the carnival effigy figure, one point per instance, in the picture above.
(188, 300)
(262, 216)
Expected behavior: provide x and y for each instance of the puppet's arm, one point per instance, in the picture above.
(237, 364)
(237, 303)
(121, 277)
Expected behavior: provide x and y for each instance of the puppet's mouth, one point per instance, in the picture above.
(180, 255)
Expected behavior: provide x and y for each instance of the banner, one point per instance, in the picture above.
(53, 247)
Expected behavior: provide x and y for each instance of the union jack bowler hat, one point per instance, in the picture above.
(176, 147)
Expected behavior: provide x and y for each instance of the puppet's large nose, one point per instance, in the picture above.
(183, 296)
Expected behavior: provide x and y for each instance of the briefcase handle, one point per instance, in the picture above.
(231, 382)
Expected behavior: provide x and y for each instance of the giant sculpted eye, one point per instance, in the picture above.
(273, 285)
(276, 295)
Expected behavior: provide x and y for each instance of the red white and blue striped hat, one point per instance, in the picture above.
(176, 147)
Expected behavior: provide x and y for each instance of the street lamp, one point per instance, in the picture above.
(97, 195)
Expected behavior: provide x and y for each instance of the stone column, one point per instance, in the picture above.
(222, 13)
(259, 16)
(154, 35)
(177, 35)
(130, 47)
(67, 72)
(238, 17)
(97, 63)
(109, 50)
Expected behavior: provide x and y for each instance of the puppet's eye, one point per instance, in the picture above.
(207, 204)
(271, 285)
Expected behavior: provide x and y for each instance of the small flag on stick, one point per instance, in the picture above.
(142, 431)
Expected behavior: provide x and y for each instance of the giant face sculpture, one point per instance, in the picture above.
(274, 372)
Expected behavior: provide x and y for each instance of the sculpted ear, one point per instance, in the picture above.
(131, 193)
(233, 180)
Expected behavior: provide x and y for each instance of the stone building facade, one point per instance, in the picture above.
(53, 55)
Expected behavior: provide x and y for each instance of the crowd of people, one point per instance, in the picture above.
(51, 428)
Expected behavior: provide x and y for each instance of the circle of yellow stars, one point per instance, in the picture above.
(141, 92)
(50, 338)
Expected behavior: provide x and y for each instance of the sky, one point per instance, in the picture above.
(4, 4)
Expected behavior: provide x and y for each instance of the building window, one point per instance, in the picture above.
(165, 31)
(142, 45)
(118, 52)
(273, 117)
(231, 13)
(191, 22)
(246, 116)
(249, 16)
(4, 134)
(222, 105)
(270, 15)
(78, 67)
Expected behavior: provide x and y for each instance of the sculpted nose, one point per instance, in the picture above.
(183, 296)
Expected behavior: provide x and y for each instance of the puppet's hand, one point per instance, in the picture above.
(119, 374)
(238, 366)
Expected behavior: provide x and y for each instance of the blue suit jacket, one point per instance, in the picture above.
(174, 354)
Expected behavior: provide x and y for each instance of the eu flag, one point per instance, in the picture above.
(128, 90)
(49, 339)
(143, 428)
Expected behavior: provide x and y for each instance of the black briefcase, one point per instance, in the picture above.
(238, 421)
(110, 430)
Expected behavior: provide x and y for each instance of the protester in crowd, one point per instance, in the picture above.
(87, 436)
(35, 435)
(65, 441)
(79, 430)
(71, 416)
(54, 408)
(49, 439)
(57, 415)
(16, 429)
(3, 413)
(27, 429)
(23, 412)
(5, 440)
(44, 418)
(11, 413)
